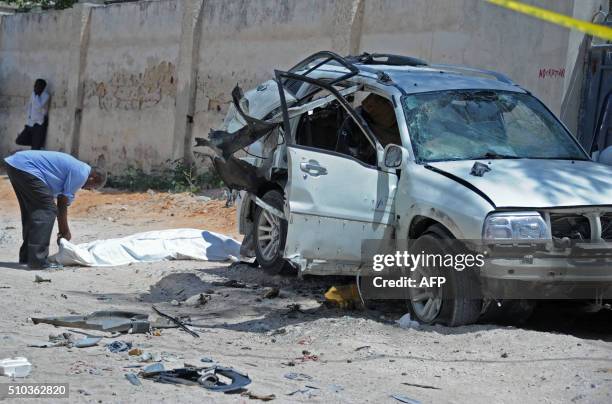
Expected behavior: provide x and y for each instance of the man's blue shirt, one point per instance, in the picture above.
(62, 173)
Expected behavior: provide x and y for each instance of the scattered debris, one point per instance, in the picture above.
(63, 339)
(110, 321)
(153, 368)
(255, 396)
(279, 331)
(150, 357)
(359, 348)
(197, 300)
(294, 308)
(405, 399)
(406, 322)
(177, 322)
(308, 390)
(205, 377)
(40, 279)
(344, 296)
(307, 356)
(422, 386)
(302, 377)
(133, 378)
(87, 342)
(271, 293)
(305, 341)
(15, 367)
(231, 283)
(479, 169)
(118, 346)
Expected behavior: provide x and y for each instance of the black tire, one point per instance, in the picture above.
(457, 301)
(272, 262)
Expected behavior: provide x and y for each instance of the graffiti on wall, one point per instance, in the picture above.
(553, 73)
(133, 91)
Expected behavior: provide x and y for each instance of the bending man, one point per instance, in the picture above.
(38, 177)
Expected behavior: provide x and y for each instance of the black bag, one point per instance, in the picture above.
(25, 137)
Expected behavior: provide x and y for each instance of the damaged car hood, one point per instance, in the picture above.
(531, 183)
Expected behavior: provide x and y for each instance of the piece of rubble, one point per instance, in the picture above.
(40, 279)
(271, 293)
(256, 396)
(15, 367)
(87, 342)
(118, 346)
(406, 322)
(132, 378)
(197, 300)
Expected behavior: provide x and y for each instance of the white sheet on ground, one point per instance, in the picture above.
(152, 246)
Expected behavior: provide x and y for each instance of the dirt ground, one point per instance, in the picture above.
(361, 356)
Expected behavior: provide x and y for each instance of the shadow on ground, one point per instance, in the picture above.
(245, 309)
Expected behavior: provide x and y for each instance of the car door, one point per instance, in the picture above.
(334, 200)
(334, 203)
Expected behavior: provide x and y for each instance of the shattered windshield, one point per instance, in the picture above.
(477, 124)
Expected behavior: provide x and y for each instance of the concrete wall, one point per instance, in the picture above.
(136, 82)
(129, 82)
(33, 46)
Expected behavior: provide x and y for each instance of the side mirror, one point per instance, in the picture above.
(394, 155)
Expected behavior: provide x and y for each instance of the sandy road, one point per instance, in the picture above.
(362, 356)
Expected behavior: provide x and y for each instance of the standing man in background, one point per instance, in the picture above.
(38, 177)
(35, 131)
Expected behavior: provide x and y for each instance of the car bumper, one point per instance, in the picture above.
(547, 278)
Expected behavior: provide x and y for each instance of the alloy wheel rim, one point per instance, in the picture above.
(268, 235)
(426, 301)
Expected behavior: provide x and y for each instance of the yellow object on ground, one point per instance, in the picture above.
(598, 30)
(345, 296)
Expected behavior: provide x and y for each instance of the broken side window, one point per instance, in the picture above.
(332, 128)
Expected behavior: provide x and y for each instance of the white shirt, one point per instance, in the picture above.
(37, 108)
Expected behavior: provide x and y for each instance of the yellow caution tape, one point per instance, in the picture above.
(600, 31)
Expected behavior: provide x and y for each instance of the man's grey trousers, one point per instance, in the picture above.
(38, 212)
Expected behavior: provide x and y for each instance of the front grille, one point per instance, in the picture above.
(606, 227)
(570, 226)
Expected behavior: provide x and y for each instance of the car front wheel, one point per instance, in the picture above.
(455, 302)
(270, 235)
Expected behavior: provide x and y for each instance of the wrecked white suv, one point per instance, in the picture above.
(389, 148)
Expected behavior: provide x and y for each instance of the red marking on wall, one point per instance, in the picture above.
(554, 73)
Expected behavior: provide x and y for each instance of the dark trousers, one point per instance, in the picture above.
(38, 212)
(39, 134)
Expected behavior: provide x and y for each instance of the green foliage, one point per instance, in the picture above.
(27, 5)
(173, 176)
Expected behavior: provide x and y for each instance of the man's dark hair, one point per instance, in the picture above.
(41, 82)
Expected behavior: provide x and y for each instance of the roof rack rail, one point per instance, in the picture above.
(386, 59)
(500, 77)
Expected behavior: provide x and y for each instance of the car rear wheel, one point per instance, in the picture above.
(270, 235)
(455, 302)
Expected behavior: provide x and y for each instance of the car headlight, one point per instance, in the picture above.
(515, 226)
